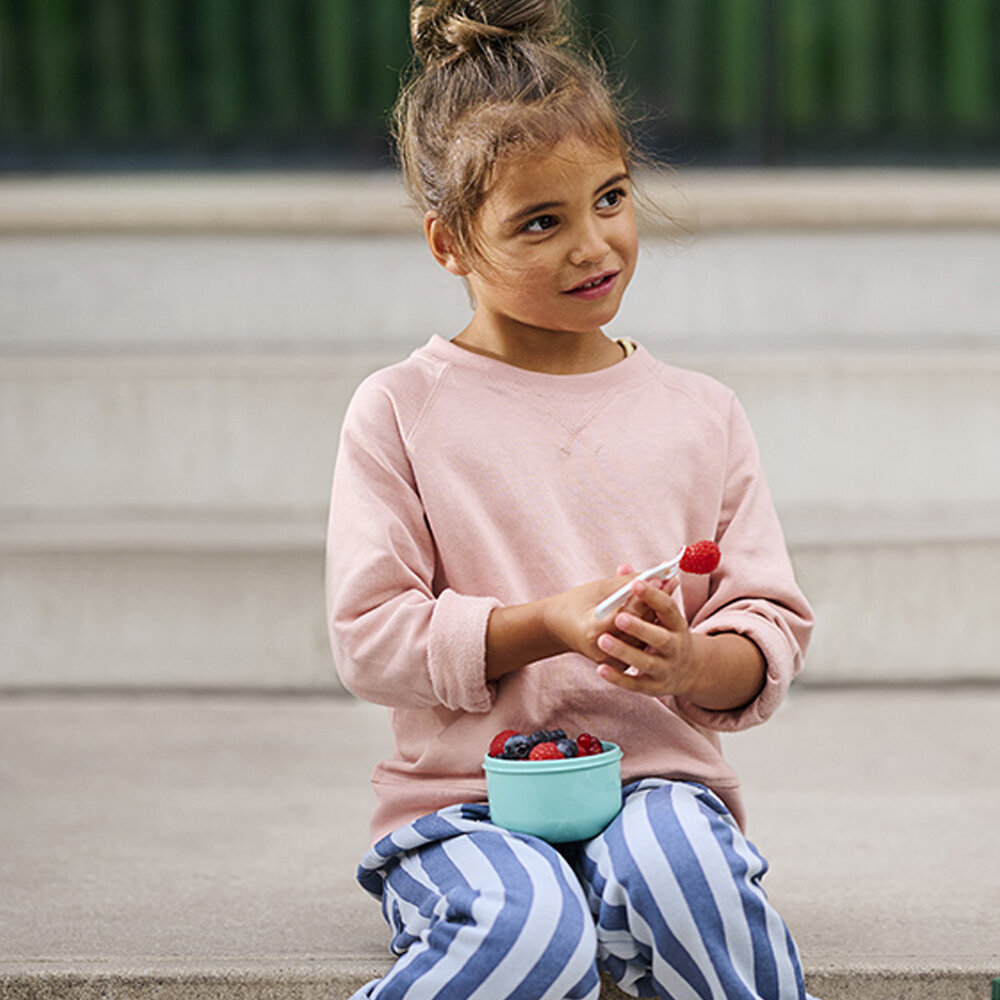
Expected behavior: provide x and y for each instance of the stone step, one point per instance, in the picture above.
(911, 433)
(139, 293)
(212, 605)
(366, 203)
(175, 847)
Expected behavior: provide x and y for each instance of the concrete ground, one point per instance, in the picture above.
(175, 847)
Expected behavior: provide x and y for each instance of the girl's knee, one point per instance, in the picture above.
(674, 875)
(673, 833)
(524, 930)
(552, 952)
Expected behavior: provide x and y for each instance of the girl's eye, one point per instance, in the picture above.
(540, 224)
(612, 198)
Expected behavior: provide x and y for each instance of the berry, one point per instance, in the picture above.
(545, 751)
(498, 741)
(702, 557)
(543, 744)
(517, 747)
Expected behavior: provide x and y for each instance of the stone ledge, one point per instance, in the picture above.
(376, 203)
(131, 437)
(165, 847)
(240, 529)
(235, 530)
(339, 982)
(208, 610)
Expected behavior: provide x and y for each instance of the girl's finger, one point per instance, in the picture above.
(647, 632)
(662, 603)
(636, 682)
(636, 606)
(634, 656)
(609, 659)
(667, 586)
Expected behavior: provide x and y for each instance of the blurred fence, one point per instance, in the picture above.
(771, 81)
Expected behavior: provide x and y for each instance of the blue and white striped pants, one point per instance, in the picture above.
(667, 900)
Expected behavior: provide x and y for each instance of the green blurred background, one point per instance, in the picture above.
(117, 84)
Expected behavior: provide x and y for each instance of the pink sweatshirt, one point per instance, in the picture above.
(463, 483)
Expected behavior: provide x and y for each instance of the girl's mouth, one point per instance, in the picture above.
(596, 287)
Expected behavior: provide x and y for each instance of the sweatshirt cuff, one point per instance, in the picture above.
(782, 662)
(456, 656)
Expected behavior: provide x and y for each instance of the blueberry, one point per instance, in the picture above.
(517, 747)
(566, 747)
(555, 735)
(539, 736)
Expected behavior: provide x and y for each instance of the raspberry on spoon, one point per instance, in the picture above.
(701, 557)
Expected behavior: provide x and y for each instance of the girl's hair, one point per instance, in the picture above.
(491, 79)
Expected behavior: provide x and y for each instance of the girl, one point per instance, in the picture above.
(486, 489)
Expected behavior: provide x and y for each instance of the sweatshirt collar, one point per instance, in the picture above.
(630, 369)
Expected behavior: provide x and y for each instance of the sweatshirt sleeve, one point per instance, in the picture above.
(754, 592)
(396, 640)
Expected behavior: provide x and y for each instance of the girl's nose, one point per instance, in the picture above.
(590, 246)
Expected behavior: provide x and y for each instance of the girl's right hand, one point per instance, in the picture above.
(570, 617)
(520, 634)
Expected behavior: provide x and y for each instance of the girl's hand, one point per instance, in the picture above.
(656, 654)
(570, 618)
(524, 633)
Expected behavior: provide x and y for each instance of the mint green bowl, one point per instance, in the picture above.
(558, 800)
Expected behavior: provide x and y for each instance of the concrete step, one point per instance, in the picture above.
(908, 431)
(365, 203)
(278, 292)
(172, 847)
(224, 616)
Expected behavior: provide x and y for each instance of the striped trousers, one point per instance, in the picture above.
(667, 900)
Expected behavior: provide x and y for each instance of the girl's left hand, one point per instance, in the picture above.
(662, 658)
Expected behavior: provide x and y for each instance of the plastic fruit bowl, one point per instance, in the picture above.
(559, 800)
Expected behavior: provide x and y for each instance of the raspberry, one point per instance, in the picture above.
(588, 745)
(702, 557)
(545, 751)
(517, 747)
(498, 741)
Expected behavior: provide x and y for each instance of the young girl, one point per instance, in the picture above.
(490, 491)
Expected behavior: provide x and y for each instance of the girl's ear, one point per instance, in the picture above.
(442, 244)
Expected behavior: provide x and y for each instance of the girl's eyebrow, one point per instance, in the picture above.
(525, 213)
(544, 206)
(617, 179)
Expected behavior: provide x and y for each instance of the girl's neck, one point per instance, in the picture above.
(546, 351)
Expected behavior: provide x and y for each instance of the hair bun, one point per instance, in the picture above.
(443, 30)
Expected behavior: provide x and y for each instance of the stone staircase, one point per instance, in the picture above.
(176, 354)
(179, 779)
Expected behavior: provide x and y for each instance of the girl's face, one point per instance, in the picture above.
(558, 239)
